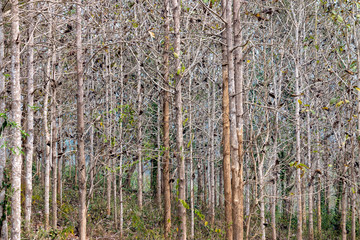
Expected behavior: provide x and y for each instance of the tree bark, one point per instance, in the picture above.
(80, 125)
(192, 174)
(239, 82)
(179, 124)
(30, 120)
(3, 225)
(16, 159)
(54, 154)
(139, 137)
(226, 137)
(166, 122)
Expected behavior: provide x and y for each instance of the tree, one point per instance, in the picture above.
(16, 159)
(166, 119)
(80, 125)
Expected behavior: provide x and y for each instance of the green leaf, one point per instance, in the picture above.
(333, 101)
(184, 204)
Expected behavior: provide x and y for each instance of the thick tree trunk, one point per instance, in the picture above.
(239, 82)
(16, 160)
(80, 126)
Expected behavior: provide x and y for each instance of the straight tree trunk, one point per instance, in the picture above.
(54, 155)
(343, 211)
(47, 148)
(30, 120)
(16, 159)
(121, 220)
(108, 137)
(60, 162)
(226, 137)
(235, 168)
(179, 124)
(158, 140)
(139, 137)
(239, 82)
(298, 128)
(3, 225)
(166, 122)
(309, 163)
(212, 154)
(80, 125)
(192, 174)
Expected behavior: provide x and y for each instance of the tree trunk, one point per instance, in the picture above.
(192, 174)
(239, 82)
(80, 126)
(47, 148)
(121, 216)
(212, 154)
(158, 141)
(311, 187)
(179, 123)
(226, 137)
(298, 128)
(343, 211)
(166, 122)
(30, 120)
(139, 137)
(54, 153)
(3, 225)
(16, 160)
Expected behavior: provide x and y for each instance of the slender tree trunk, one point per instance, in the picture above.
(16, 159)
(311, 187)
(47, 149)
(80, 125)
(343, 211)
(298, 129)
(54, 155)
(3, 214)
(139, 137)
(192, 174)
(166, 122)
(356, 37)
(46, 124)
(179, 123)
(30, 120)
(158, 140)
(212, 154)
(353, 193)
(108, 137)
(60, 162)
(226, 137)
(121, 220)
